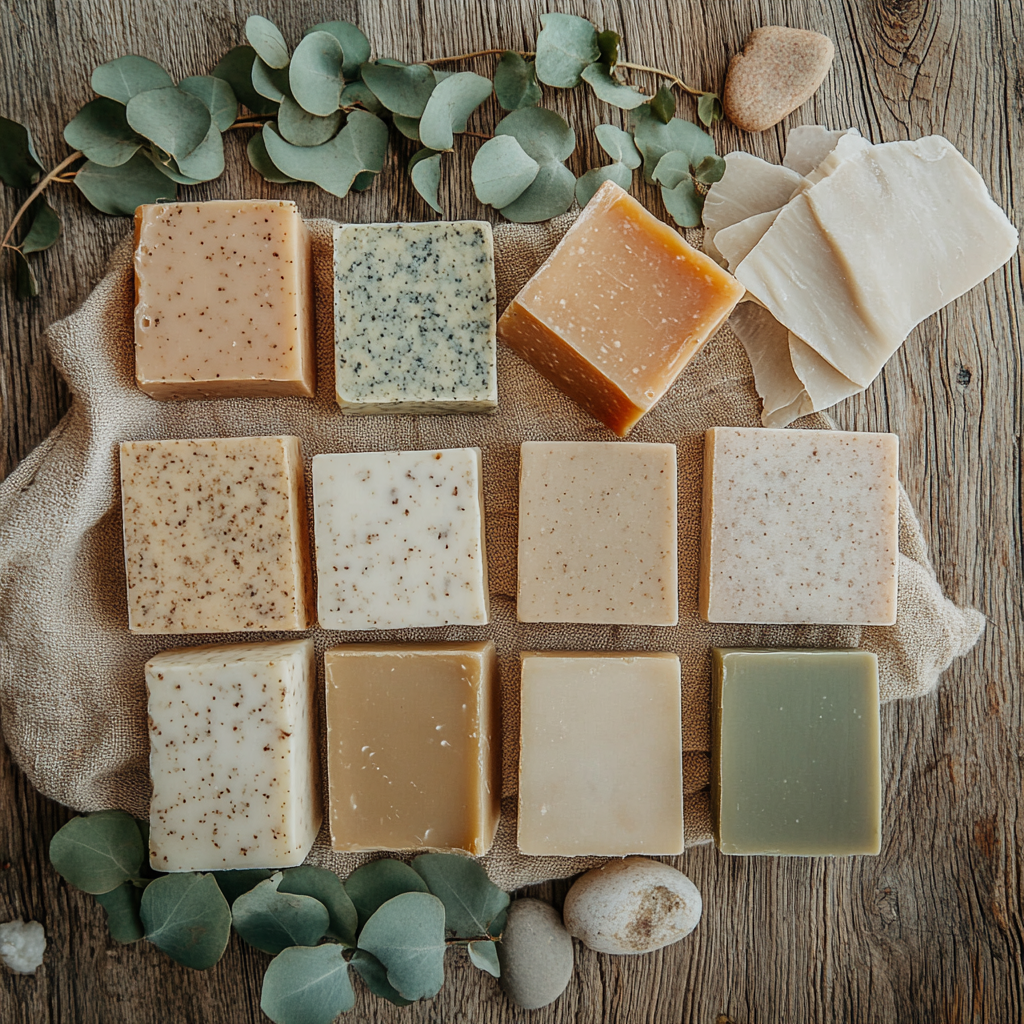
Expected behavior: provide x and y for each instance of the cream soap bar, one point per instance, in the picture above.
(618, 310)
(413, 746)
(224, 300)
(597, 533)
(414, 308)
(600, 761)
(216, 538)
(233, 755)
(400, 539)
(799, 526)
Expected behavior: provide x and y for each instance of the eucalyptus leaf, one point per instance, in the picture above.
(234, 883)
(19, 165)
(709, 108)
(619, 145)
(325, 886)
(498, 925)
(187, 917)
(216, 95)
(710, 169)
(26, 284)
(406, 934)
(502, 171)
(672, 168)
(272, 921)
(359, 92)
(301, 128)
(270, 83)
(375, 883)
(685, 203)
(97, 852)
(307, 985)
(315, 73)
(362, 181)
(590, 182)
(45, 230)
(119, 190)
(663, 105)
(101, 131)
(550, 194)
(375, 975)
(408, 126)
(403, 89)
(128, 76)
(608, 43)
(515, 82)
(471, 900)
(266, 39)
(543, 134)
(166, 164)
(260, 160)
(206, 161)
(355, 45)
(654, 139)
(484, 955)
(122, 907)
(235, 68)
(425, 172)
(599, 78)
(176, 121)
(449, 108)
(359, 146)
(566, 45)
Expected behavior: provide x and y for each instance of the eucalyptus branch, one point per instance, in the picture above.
(475, 53)
(664, 74)
(36, 192)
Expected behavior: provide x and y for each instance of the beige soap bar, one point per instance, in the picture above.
(216, 538)
(233, 755)
(799, 526)
(597, 533)
(224, 300)
(413, 746)
(600, 761)
(618, 310)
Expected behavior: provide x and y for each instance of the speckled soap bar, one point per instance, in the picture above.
(414, 308)
(400, 539)
(799, 526)
(233, 756)
(216, 538)
(224, 300)
(597, 533)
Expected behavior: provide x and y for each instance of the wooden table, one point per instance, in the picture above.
(931, 930)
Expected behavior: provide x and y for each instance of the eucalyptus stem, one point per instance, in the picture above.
(664, 74)
(476, 53)
(52, 176)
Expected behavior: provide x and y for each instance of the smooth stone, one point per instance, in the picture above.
(535, 954)
(633, 905)
(778, 69)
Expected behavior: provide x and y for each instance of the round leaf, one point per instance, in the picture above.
(425, 172)
(375, 883)
(101, 131)
(216, 95)
(403, 89)
(590, 182)
(126, 77)
(176, 121)
(408, 126)
(266, 39)
(206, 161)
(566, 45)
(234, 883)
(618, 145)
(672, 169)
(608, 43)
(543, 134)
(599, 78)
(362, 181)
(235, 68)
(119, 190)
(710, 169)
(484, 955)
(354, 44)
(260, 160)
(166, 164)
(375, 975)
(406, 934)
(307, 985)
(187, 917)
(19, 165)
(272, 921)
(315, 73)
(471, 900)
(97, 852)
(325, 886)
(359, 92)
(515, 82)
(45, 230)
(550, 194)
(709, 108)
(685, 203)
(655, 139)
(270, 83)
(304, 129)
(25, 281)
(502, 171)
(449, 107)
(663, 106)
(122, 907)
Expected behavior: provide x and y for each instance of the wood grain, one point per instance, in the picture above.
(930, 930)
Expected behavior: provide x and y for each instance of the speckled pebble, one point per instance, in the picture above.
(535, 954)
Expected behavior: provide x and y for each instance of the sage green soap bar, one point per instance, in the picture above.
(796, 758)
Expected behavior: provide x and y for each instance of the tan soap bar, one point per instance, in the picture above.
(618, 310)
(600, 760)
(799, 526)
(233, 755)
(597, 533)
(413, 746)
(216, 538)
(224, 300)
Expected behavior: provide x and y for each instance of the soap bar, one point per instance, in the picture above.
(400, 539)
(215, 535)
(796, 752)
(598, 533)
(233, 755)
(600, 759)
(414, 308)
(618, 310)
(799, 526)
(413, 746)
(224, 300)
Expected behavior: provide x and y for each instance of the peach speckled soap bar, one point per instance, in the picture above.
(216, 538)
(618, 309)
(224, 300)
(799, 526)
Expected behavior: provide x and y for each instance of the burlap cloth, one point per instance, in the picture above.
(72, 689)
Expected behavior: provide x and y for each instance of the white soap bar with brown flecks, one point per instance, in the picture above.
(216, 538)
(400, 539)
(799, 526)
(233, 755)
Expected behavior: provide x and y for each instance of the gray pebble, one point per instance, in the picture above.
(535, 954)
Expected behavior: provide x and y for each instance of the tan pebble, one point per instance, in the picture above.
(778, 69)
